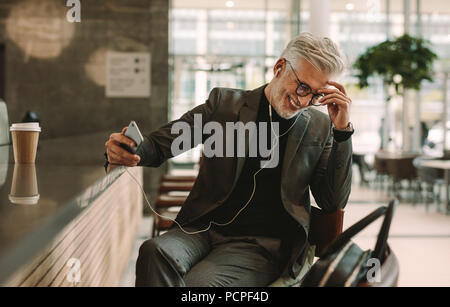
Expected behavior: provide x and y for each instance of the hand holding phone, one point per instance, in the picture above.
(129, 139)
(134, 134)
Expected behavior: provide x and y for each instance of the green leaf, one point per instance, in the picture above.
(407, 56)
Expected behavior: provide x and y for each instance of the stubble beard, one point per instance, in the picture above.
(280, 107)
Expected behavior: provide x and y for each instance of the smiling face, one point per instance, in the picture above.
(281, 91)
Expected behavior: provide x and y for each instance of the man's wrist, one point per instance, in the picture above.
(343, 135)
(348, 127)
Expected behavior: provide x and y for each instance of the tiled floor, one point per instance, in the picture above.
(143, 234)
(419, 238)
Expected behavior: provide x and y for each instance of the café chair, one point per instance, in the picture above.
(401, 169)
(325, 227)
(381, 171)
(169, 186)
(173, 191)
(178, 178)
(166, 205)
(429, 178)
(359, 161)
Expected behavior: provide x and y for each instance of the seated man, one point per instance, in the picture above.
(247, 217)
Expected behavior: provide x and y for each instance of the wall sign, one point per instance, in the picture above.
(127, 74)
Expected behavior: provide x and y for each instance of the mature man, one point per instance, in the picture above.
(244, 224)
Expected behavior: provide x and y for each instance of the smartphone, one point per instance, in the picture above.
(134, 134)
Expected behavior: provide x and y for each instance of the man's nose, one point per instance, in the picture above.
(304, 101)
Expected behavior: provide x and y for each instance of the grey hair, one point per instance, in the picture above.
(321, 52)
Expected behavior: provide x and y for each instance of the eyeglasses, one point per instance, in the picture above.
(304, 90)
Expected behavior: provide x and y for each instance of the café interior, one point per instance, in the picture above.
(68, 68)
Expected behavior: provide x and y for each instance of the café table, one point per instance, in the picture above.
(65, 221)
(445, 166)
(394, 155)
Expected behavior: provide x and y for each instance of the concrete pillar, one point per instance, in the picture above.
(319, 19)
(295, 18)
(387, 123)
(406, 140)
(444, 113)
(388, 19)
(417, 132)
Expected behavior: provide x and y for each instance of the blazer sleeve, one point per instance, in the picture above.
(156, 147)
(332, 178)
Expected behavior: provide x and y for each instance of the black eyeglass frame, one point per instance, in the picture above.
(308, 91)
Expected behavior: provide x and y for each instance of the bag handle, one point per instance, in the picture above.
(345, 237)
(380, 247)
(381, 244)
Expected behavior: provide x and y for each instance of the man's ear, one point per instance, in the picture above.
(278, 66)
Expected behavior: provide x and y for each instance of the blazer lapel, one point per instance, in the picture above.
(248, 113)
(294, 140)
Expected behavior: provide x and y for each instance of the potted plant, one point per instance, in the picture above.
(403, 63)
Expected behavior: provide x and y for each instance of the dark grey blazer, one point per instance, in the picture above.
(312, 160)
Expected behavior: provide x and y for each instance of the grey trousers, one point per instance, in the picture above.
(207, 259)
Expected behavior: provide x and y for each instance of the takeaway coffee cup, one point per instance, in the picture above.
(24, 188)
(25, 138)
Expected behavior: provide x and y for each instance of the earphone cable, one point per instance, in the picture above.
(240, 210)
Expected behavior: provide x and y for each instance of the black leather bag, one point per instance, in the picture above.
(343, 263)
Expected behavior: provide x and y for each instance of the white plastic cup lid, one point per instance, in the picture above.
(31, 200)
(25, 127)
